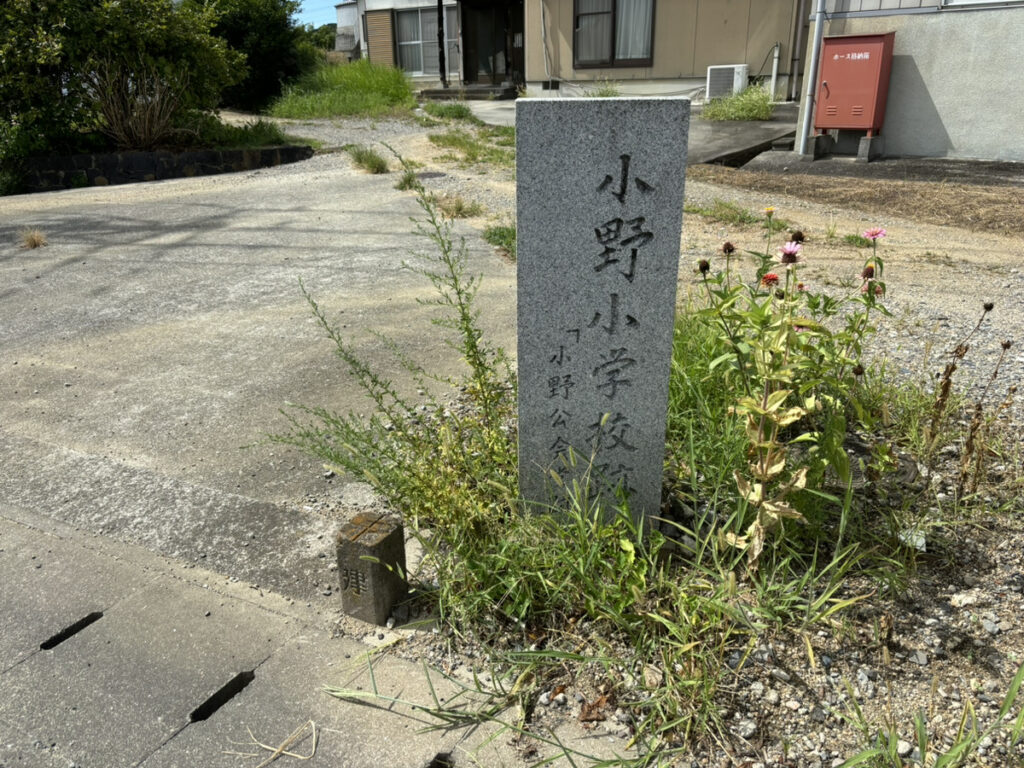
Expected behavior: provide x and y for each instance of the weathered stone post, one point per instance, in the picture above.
(600, 201)
(371, 566)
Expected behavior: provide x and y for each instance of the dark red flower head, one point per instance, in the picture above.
(728, 248)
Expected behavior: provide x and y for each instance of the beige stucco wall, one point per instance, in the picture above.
(955, 86)
(689, 36)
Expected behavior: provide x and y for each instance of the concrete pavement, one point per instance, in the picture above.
(708, 142)
(144, 354)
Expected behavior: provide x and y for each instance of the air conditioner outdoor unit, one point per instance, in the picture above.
(725, 80)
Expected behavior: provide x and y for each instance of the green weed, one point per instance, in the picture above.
(753, 103)
(603, 89)
(502, 237)
(475, 148)
(457, 207)
(367, 158)
(857, 241)
(407, 181)
(451, 110)
(358, 89)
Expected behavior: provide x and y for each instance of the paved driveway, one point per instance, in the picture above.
(162, 329)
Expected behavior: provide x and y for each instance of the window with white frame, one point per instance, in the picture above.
(613, 33)
(416, 32)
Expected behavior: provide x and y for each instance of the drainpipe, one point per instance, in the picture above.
(812, 75)
(796, 49)
(775, 69)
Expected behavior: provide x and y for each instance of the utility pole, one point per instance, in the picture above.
(440, 44)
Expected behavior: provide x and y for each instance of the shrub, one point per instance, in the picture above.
(276, 49)
(322, 38)
(753, 103)
(62, 59)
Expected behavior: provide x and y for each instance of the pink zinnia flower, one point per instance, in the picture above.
(874, 233)
(879, 290)
(770, 279)
(789, 253)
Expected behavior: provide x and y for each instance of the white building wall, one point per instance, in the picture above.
(955, 88)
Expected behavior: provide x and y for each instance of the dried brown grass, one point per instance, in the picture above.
(32, 238)
(974, 207)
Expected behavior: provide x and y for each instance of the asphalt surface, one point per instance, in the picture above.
(149, 537)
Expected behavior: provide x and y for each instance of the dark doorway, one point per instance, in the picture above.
(492, 42)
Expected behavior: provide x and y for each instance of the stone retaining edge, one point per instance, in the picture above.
(43, 174)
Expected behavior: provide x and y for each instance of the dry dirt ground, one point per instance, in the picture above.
(951, 642)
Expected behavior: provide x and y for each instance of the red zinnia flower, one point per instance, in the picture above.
(770, 279)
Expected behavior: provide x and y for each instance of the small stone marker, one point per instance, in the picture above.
(599, 218)
(371, 564)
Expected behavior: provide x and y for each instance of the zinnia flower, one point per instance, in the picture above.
(703, 266)
(769, 210)
(770, 279)
(728, 249)
(801, 287)
(797, 237)
(789, 254)
(874, 233)
(988, 306)
(869, 271)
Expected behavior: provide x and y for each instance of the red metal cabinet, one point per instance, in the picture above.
(854, 82)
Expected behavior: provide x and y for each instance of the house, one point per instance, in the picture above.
(954, 89)
(661, 46)
(483, 39)
(645, 46)
(348, 39)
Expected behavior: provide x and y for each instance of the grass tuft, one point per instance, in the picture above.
(456, 207)
(858, 241)
(502, 237)
(753, 103)
(451, 110)
(604, 89)
(32, 238)
(359, 89)
(367, 158)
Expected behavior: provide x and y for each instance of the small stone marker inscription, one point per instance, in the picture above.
(371, 564)
(599, 217)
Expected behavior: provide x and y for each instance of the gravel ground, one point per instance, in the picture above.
(954, 638)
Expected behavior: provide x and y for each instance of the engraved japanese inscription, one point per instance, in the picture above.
(600, 195)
